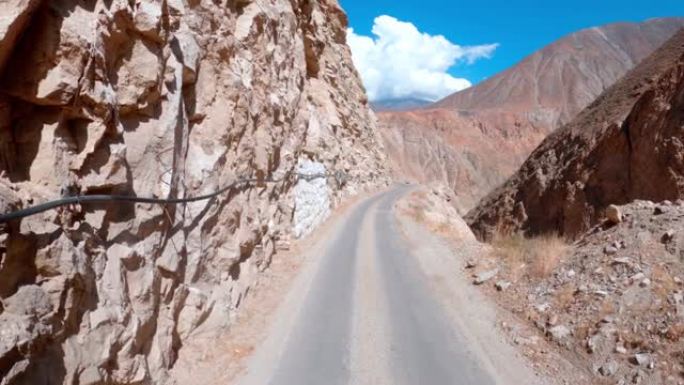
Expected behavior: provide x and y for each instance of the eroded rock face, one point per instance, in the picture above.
(472, 141)
(165, 99)
(456, 149)
(627, 145)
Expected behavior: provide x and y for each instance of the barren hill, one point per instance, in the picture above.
(627, 145)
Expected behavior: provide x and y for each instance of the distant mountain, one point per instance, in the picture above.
(561, 79)
(399, 104)
(475, 139)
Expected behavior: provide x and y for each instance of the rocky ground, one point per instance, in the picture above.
(606, 309)
(612, 301)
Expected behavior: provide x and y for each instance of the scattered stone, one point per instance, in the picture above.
(659, 210)
(559, 333)
(677, 280)
(622, 261)
(553, 320)
(678, 297)
(526, 341)
(620, 349)
(643, 359)
(471, 264)
(592, 342)
(502, 285)
(637, 277)
(571, 273)
(543, 308)
(610, 250)
(614, 214)
(485, 276)
(609, 368)
(668, 236)
(645, 282)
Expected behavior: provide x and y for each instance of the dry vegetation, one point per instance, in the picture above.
(434, 207)
(534, 258)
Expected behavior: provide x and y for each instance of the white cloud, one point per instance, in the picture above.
(400, 61)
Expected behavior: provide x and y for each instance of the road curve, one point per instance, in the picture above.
(370, 316)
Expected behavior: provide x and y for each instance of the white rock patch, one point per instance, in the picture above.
(312, 199)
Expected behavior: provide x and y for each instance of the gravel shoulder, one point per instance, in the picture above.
(466, 306)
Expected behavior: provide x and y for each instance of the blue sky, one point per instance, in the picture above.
(519, 27)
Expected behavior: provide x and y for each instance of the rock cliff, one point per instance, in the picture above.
(475, 139)
(166, 99)
(626, 145)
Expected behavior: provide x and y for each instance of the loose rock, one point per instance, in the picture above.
(559, 333)
(502, 285)
(485, 276)
(643, 359)
(609, 368)
(614, 215)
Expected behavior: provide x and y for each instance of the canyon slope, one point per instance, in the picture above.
(627, 145)
(473, 140)
(173, 100)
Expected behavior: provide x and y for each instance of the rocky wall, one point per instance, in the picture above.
(166, 99)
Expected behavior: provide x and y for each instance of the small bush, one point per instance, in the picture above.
(535, 257)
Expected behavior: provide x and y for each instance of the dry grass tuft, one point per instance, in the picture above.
(565, 297)
(535, 257)
(664, 283)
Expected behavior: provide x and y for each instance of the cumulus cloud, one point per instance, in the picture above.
(401, 62)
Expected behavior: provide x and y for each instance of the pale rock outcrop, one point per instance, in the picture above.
(312, 198)
(166, 99)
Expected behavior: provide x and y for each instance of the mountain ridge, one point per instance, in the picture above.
(623, 147)
(463, 137)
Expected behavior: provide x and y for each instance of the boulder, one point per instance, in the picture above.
(613, 215)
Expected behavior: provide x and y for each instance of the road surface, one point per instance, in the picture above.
(369, 316)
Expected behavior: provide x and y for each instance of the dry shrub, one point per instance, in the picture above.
(664, 283)
(538, 256)
(607, 308)
(565, 297)
(443, 228)
(675, 332)
(582, 331)
(418, 214)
